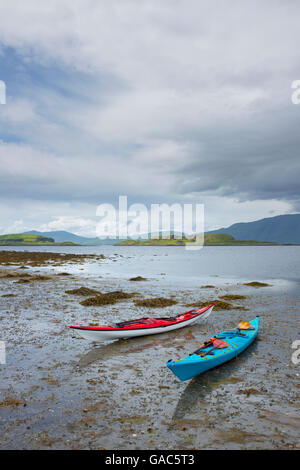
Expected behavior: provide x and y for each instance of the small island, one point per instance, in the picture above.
(22, 239)
(211, 239)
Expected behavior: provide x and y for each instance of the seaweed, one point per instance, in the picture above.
(32, 279)
(22, 278)
(85, 291)
(107, 299)
(10, 401)
(257, 284)
(138, 278)
(36, 258)
(233, 297)
(218, 305)
(13, 275)
(155, 302)
(23, 281)
(249, 391)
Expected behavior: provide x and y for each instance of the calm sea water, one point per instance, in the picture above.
(213, 265)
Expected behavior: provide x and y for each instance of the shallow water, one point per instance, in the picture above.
(231, 263)
(120, 395)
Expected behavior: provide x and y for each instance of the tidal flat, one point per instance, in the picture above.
(58, 391)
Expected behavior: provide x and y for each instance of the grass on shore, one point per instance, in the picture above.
(27, 239)
(210, 239)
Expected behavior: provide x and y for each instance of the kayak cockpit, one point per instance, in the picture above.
(156, 321)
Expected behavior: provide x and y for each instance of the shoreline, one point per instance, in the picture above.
(154, 244)
(42, 244)
(208, 245)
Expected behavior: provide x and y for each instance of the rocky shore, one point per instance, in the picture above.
(58, 391)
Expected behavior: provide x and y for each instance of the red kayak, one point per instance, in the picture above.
(142, 326)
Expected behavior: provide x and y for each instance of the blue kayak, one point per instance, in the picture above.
(207, 357)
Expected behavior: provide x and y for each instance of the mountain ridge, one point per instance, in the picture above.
(283, 229)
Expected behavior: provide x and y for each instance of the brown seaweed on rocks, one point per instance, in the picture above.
(218, 305)
(155, 302)
(138, 278)
(22, 278)
(23, 281)
(13, 275)
(257, 284)
(233, 297)
(85, 291)
(108, 298)
(36, 258)
(250, 391)
(11, 401)
(33, 278)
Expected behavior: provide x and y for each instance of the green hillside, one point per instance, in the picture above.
(60, 236)
(281, 229)
(18, 239)
(211, 239)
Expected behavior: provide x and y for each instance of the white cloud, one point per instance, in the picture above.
(222, 212)
(16, 227)
(19, 111)
(79, 225)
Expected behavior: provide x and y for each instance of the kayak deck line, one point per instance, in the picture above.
(197, 357)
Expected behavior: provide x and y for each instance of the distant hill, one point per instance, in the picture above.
(17, 239)
(280, 229)
(62, 236)
(211, 239)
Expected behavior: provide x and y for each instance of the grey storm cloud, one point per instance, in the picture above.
(257, 160)
(156, 100)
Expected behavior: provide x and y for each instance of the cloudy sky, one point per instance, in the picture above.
(170, 101)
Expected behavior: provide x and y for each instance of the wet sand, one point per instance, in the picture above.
(59, 391)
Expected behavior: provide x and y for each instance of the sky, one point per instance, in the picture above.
(164, 102)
